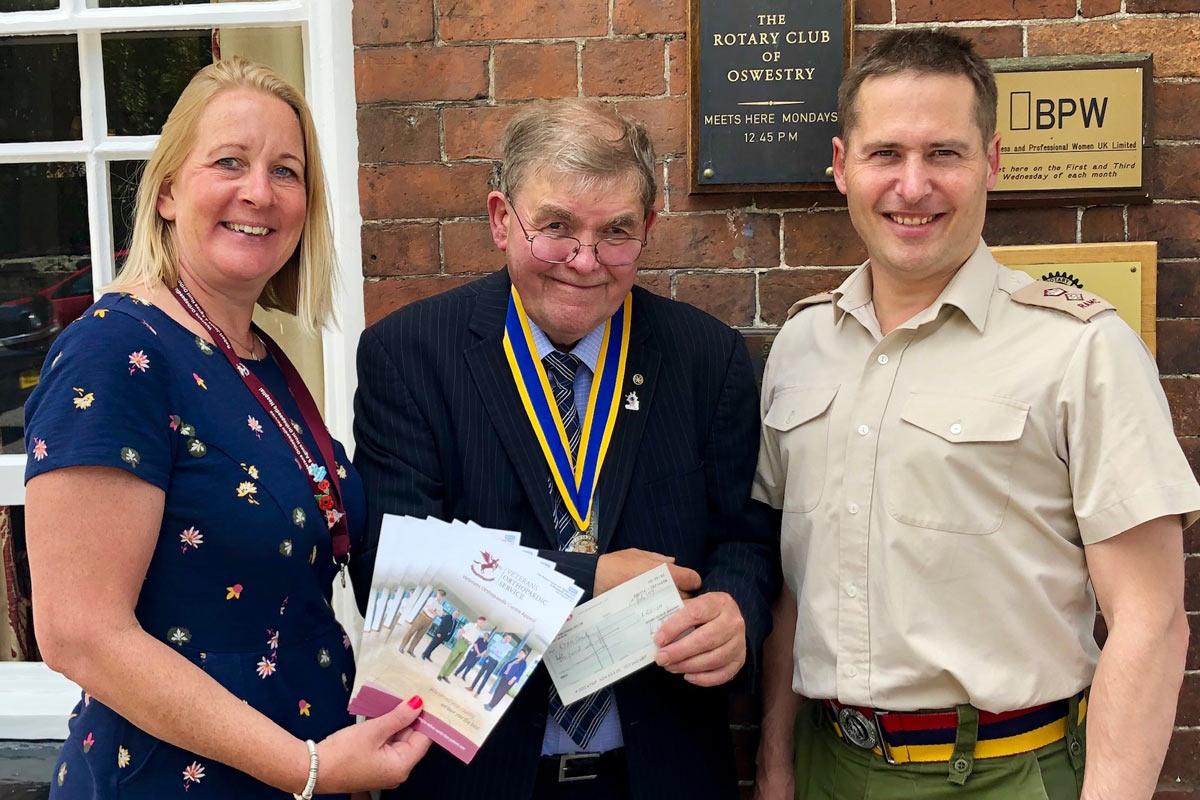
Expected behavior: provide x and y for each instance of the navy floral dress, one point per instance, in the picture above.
(241, 576)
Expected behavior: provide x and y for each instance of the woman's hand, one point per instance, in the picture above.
(376, 754)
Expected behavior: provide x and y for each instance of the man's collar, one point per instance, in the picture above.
(970, 290)
(586, 349)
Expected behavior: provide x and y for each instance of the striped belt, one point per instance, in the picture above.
(929, 736)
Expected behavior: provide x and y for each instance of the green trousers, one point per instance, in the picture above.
(829, 769)
(456, 655)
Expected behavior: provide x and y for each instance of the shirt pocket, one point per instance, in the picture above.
(951, 461)
(799, 418)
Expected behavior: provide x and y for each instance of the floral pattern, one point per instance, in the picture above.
(193, 773)
(247, 490)
(138, 361)
(234, 564)
(190, 537)
(84, 401)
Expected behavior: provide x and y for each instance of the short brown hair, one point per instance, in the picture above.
(922, 51)
(580, 137)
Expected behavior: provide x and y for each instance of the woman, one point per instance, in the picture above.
(185, 505)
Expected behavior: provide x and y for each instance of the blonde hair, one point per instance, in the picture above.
(581, 137)
(304, 285)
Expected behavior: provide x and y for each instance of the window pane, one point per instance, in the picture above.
(44, 253)
(28, 5)
(123, 180)
(41, 95)
(144, 73)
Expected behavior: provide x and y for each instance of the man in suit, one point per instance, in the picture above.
(509, 676)
(656, 398)
(443, 629)
(498, 650)
(474, 653)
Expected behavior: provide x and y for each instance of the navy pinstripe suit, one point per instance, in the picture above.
(440, 432)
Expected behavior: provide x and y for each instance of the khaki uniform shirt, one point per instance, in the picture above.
(938, 485)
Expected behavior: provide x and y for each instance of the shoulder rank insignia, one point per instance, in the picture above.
(811, 300)
(1076, 302)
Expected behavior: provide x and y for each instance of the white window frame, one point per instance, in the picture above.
(31, 697)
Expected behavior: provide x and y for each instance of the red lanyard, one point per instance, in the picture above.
(327, 490)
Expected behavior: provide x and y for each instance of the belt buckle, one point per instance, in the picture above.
(864, 733)
(564, 762)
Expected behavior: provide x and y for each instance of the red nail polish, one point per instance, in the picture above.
(415, 701)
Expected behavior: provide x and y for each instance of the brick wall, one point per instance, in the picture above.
(438, 79)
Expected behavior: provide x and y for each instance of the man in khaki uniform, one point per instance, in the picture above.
(957, 451)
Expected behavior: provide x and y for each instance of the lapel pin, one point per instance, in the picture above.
(638, 380)
(631, 402)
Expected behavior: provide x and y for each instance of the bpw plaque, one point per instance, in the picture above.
(1073, 127)
(764, 81)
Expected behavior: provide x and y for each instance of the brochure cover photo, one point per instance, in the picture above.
(460, 615)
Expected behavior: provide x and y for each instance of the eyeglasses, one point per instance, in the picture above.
(617, 251)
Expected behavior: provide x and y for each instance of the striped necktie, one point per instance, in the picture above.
(580, 719)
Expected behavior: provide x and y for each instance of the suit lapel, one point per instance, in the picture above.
(493, 379)
(643, 360)
(489, 368)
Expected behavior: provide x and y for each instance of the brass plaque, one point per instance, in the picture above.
(1077, 129)
(1124, 274)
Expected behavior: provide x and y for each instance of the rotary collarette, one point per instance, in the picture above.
(327, 489)
(576, 477)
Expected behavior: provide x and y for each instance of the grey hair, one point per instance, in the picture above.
(583, 138)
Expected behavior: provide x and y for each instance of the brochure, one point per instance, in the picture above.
(461, 615)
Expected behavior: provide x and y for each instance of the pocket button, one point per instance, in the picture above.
(956, 428)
